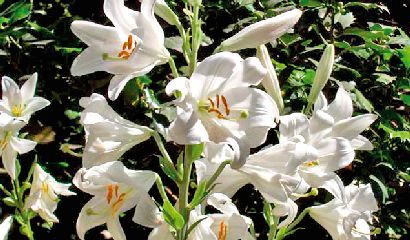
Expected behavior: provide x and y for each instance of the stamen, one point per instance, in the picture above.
(44, 187)
(218, 113)
(116, 190)
(312, 163)
(227, 110)
(125, 53)
(129, 42)
(109, 193)
(212, 102)
(117, 205)
(17, 110)
(217, 101)
(222, 231)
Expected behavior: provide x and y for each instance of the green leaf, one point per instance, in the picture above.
(9, 202)
(366, 35)
(172, 216)
(342, 45)
(405, 56)
(384, 78)
(168, 169)
(385, 194)
(362, 101)
(67, 50)
(404, 176)
(311, 3)
(199, 195)
(71, 114)
(366, 6)
(404, 136)
(197, 150)
(18, 168)
(1, 2)
(405, 98)
(20, 13)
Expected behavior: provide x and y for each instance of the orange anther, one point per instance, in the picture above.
(117, 205)
(212, 103)
(124, 54)
(222, 231)
(227, 110)
(124, 45)
(129, 42)
(109, 193)
(217, 101)
(116, 190)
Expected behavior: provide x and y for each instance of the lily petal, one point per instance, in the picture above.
(115, 229)
(122, 17)
(350, 128)
(90, 216)
(8, 157)
(22, 145)
(147, 213)
(342, 107)
(29, 87)
(187, 128)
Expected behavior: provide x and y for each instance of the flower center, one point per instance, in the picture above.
(17, 110)
(128, 48)
(115, 198)
(313, 163)
(216, 107)
(223, 227)
(44, 187)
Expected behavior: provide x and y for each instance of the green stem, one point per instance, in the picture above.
(217, 173)
(183, 192)
(162, 149)
(273, 228)
(173, 67)
(298, 219)
(18, 195)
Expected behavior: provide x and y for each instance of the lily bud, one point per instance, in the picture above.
(270, 81)
(261, 32)
(324, 69)
(165, 12)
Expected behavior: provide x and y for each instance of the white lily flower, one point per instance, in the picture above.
(21, 103)
(261, 32)
(331, 135)
(227, 225)
(218, 104)
(5, 227)
(108, 135)
(116, 189)
(133, 47)
(11, 144)
(266, 171)
(347, 221)
(43, 197)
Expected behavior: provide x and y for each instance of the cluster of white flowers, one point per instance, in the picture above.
(16, 107)
(218, 106)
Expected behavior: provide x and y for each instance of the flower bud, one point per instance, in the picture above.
(324, 69)
(261, 32)
(270, 81)
(165, 12)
